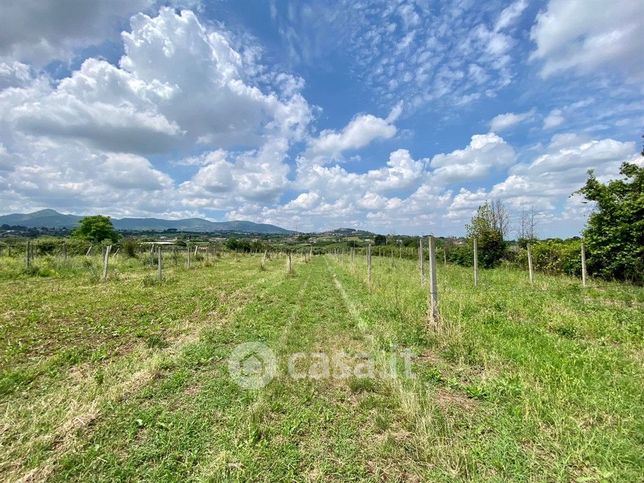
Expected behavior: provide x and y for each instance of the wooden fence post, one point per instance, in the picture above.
(159, 263)
(420, 261)
(476, 263)
(584, 275)
(433, 286)
(289, 264)
(530, 274)
(89, 250)
(188, 252)
(106, 261)
(369, 265)
(28, 255)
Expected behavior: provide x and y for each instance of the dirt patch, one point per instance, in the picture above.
(447, 399)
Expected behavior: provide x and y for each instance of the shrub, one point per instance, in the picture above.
(615, 231)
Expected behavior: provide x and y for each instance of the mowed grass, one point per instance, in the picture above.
(128, 379)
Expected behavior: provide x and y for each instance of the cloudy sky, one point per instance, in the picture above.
(395, 116)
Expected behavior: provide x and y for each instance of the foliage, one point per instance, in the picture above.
(96, 229)
(552, 256)
(236, 245)
(129, 247)
(488, 227)
(380, 240)
(460, 255)
(615, 231)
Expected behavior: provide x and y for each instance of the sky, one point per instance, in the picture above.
(392, 116)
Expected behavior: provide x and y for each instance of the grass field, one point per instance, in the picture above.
(129, 379)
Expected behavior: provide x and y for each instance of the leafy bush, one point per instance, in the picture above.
(460, 255)
(129, 247)
(552, 256)
(615, 231)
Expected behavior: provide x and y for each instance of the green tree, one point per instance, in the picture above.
(614, 233)
(96, 229)
(488, 226)
(380, 240)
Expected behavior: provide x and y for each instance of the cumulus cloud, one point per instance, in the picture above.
(485, 153)
(505, 121)
(128, 171)
(171, 88)
(178, 86)
(548, 180)
(585, 36)
(358, 133)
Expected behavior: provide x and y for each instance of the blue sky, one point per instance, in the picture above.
(394, 116)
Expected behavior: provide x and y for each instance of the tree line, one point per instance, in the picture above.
(613, 236)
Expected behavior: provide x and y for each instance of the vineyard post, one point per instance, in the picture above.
(289, 263)
(106, 261)
(89, 250)
(264, 259)
(28, 255)
(160, 263)
(433, 286)
(584, 275)
(188, 253)
(420, 261)
(530, 273)
(476, 263)
(369, 265)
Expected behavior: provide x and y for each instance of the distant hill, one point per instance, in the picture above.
(53, 219)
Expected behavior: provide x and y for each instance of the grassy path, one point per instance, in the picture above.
(194, 422)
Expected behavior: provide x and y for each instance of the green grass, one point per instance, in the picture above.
(128, 379)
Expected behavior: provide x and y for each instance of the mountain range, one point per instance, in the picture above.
(53, 219)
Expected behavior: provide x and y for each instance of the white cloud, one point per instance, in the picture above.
(589, 35)
(510, 14)
(553, 119)
(505, 121)
(128, 171)
(485, 153)
(358, 133)
(173, 84)
(14, 74)
(409, 49)
(179, 86)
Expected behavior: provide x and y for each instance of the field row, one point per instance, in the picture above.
(130, 378)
